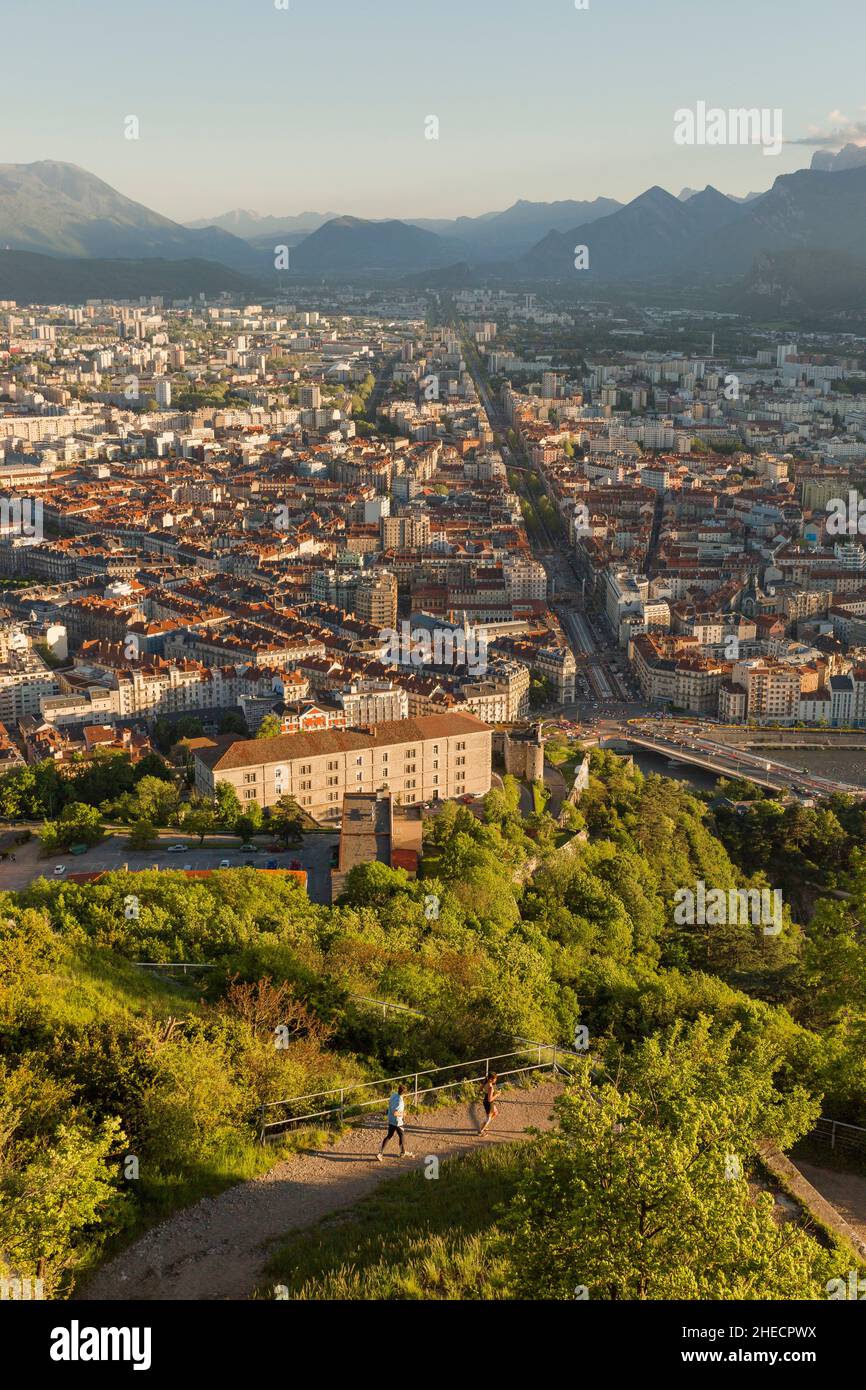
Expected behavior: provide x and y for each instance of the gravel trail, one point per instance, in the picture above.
(218, 1248)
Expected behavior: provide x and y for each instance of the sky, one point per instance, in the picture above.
(323, 105)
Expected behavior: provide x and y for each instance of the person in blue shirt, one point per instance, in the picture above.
(396, 1114)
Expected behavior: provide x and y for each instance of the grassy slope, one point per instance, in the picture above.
(414, 1238)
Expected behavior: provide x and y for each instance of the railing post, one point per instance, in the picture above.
(341, 1104)
(554, 1059)
(416, 1089)
(262, 1124)
(833, 1136)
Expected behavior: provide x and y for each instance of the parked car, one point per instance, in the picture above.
(224, 864)
(59, 869)
(295, 864)
(249, 849)
(187, 867)
(272, 864)
(175, 849)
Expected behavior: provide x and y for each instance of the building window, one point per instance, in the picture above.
(410, 767)
(249, 776)
(332, 766)
(460, 747)
(435, 762)
(250, 795)
(333, 781)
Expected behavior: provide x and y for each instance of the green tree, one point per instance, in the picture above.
(228, 807)
(643, 1191)
(78, 824)
(270, 727)
(234, 723)
(287, 820)
(200, 821)
(142, 835)
(156, 800)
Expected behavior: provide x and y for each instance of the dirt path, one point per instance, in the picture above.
(217, 1249)
(844, 1191)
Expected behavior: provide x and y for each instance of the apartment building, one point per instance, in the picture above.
(376, 600)
(526, 580)
(25, 681)
(433, 757)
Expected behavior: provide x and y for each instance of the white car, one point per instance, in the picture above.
(59, 869)
(175, 849)
(225, 864)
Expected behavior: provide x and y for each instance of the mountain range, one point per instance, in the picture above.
(67, 216)
(61, 210)
(709, 235)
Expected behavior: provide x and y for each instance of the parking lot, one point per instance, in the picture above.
(114, 853)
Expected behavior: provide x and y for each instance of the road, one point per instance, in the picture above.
(597, 676)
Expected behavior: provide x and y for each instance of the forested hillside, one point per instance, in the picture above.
(124, 1093)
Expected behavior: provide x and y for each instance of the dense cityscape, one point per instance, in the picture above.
(432, 681)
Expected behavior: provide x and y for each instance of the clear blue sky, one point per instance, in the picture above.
(322, 106)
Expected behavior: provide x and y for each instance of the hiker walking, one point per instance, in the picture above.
(488, 1096)
(396, 1113)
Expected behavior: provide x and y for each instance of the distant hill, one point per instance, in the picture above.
(850, 157)
(503, 235)
(809, 208)
(250, 225)
(497, 235)
(33, 279)
(686, 193)
(708, 235)
(352, 243)
(797, 282)
(61, 210)
(645, 239)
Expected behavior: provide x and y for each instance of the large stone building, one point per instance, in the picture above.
(430, 758)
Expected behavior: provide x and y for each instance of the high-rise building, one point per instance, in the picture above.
(376, 599)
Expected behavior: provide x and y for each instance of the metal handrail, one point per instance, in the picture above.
(183, 965)
(338, 1110)
(384, 1004)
